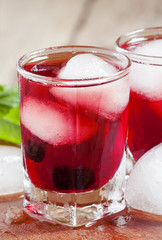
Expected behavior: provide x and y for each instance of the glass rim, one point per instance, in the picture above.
(141, 33)
(73, 82)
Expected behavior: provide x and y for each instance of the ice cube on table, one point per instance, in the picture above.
(146, 78)
(11, 170)
(143, 187)
(107, 100)
(55, 123)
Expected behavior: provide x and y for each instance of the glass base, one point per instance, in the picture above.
(76, 209)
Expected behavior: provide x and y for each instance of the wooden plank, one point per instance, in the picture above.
(133, 225)
(108, 19)
(31, 25)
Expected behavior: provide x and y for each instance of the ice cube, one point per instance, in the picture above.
(11, 170)
(14, 215)
(143, 188)
(107, 100)
(54, 123)
(150, 48)
(86, 66)
(146, 78)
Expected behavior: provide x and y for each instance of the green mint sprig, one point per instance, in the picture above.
(9, 114)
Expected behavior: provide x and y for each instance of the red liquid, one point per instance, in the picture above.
(83, 160)
(145, 125)
(145, 118)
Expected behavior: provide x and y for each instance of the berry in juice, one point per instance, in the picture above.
(72, 141)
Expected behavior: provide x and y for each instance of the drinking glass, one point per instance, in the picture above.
(73, 135)
(143, 47)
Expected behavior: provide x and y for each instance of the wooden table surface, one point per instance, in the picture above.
(29, 25)
(133, 225)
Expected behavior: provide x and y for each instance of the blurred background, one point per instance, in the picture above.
(32, 24)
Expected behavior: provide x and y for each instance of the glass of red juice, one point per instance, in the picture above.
(144, 48)
(74, 111)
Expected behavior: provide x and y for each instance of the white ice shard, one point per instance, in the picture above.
(143, 188)
(11, 170)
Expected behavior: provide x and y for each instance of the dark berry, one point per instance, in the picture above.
(67, 178)
(34, 151)
(63, 177)
(84, 178)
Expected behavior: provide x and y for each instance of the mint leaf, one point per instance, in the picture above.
(4, 110)
(13, 116)
(9, 114)
(9, 96)
(10, 132)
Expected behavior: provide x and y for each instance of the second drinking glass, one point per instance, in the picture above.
(144, 48)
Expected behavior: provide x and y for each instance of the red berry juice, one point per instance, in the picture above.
(145, 124)
(67, 148)
(145, 113)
